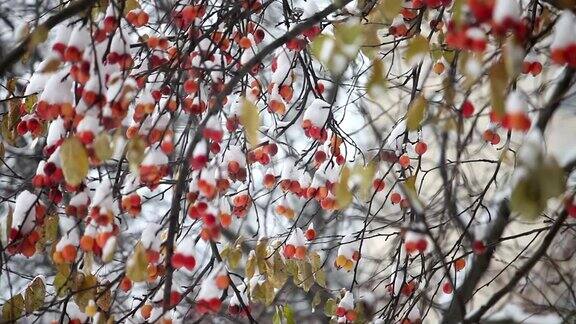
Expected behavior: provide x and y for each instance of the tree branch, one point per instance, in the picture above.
(183, 174)
(480, 264)
(522, 271)
(16, 53)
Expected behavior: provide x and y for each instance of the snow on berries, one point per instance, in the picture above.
(235, 163)
(235, 306)
(153, 168)
(563, 47)
(507, 16)
(27, 217)
(67, 247)
(131, 200)
(398, 28)
(348, 253)
(184, 255)
(77, 43)
(516, 116)
(211, 289)
(345, 308)
(315, 119)
(151, 241)
(415, 242)
(295, 247)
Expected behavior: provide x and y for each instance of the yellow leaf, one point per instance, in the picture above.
(250, 119)
(366, 174)
(418, 45)
(74, 161)
(51, 228)
(38, 35)
(415, 113)
(343, 194)
(131, 5)
(30, 102)
(376, 83)
(389, 9)
(137, 265)
(135, 153)
(102, 147)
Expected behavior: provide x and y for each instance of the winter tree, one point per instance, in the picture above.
(274, 161)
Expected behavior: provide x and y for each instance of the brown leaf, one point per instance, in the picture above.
(35, 294)
(13, 308)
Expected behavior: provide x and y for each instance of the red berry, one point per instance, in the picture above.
(447, 288)
(421, 148)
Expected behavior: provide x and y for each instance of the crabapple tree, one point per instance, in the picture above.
(367, 161)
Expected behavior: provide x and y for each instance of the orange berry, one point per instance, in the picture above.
(289, 251)
(125, 284)
(404, 161)
(300, 253)
(86, 243)
(69, 253)
(245, 42)
(459, 264)
(146, 310)
(57, 257)
(438, 68)
(222, 282)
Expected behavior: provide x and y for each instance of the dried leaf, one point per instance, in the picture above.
(52, 65)
(86, 289)
(131, 5)
(62, 280)
(251, 265)
(30, 102)
(13, 308)
(305, 276)
(531, 194)
(74, 159)
(105, 300)
(389, 9)
(35, 294)
(38, 35)
(498, 85)
(377, 83)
